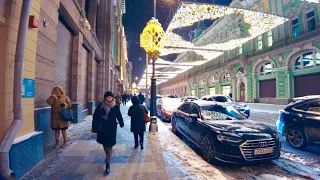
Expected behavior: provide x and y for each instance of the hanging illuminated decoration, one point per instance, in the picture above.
(189, 14)
(186, 16)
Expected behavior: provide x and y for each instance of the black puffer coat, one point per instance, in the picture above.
(108, 134)
(137, 119)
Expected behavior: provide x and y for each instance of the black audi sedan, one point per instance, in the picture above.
(223, 134)
(299, 122)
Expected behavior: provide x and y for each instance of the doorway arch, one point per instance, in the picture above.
(242, 90)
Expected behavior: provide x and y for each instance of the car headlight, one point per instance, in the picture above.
(223, 138)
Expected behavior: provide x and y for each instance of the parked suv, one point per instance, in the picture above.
(241, 107)
(299, 122)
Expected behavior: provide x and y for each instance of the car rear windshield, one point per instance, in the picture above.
(220, 113)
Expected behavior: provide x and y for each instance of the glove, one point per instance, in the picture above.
(122, 125)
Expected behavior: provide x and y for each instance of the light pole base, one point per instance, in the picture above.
(153, 124)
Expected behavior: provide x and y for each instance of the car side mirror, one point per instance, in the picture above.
(194, 117)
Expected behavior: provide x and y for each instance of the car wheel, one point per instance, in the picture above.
(296, 137)
(207, 148)
(174, 126)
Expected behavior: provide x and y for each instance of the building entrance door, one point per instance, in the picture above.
(242, 92)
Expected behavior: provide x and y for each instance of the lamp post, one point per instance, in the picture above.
(153, 39)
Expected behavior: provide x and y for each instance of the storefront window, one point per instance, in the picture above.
(192, 92)
(226, 90)
(212, 91)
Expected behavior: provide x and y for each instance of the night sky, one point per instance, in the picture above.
(138, 13)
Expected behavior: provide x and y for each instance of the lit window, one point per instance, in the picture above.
(295, 27)
(212, 91)
(213, 79)
(226, 90)
(270, 39)
(240, 49)
(260, 42)
(266, 6)
(311, 21)
(267, 68)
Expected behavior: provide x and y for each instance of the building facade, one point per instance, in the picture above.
(75, 45)
(272, 68)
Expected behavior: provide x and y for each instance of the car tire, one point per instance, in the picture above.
(207, 148)
(174, 126)
(297, 138)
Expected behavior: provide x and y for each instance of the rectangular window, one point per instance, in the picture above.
(295, 27)
(192, 92)
(311, 21)
(212, 91)
(240, 49)
(260, 45)
(270, 39)
(226, 90)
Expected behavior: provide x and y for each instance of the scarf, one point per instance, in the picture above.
(107, 106)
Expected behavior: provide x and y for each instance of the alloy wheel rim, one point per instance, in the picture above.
(295, 138)
(206, 148)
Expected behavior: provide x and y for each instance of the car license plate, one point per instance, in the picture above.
(263, 151)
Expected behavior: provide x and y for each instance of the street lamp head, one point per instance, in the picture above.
(153, 38)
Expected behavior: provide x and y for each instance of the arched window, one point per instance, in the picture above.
(201, 82)
(307, 60)
(226, 77)
(267, 68)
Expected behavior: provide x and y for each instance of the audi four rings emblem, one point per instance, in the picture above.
(263, 144)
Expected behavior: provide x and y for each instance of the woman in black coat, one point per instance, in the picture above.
(108, 113)
(138, 126)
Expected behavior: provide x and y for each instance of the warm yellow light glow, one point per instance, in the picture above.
(153, 37)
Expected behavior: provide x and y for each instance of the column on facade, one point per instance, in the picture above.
(282, 83)
(76, 77)
(254, 86)
(91, 82)
(234, 87)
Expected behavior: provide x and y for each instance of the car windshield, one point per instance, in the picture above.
(223, 99)
(218, 112)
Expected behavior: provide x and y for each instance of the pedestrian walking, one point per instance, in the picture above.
(141, 98)
(230, 95)
(118, 99)
(58, 101)
(138, 126)
(108, 113)
(124, 99)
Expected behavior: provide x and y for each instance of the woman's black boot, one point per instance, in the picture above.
(107, 168)
(136, 146)
(141, 146)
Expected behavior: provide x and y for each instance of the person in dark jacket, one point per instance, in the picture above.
(141, 98)
(124, 99)
(108, 112)
(138, 126)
